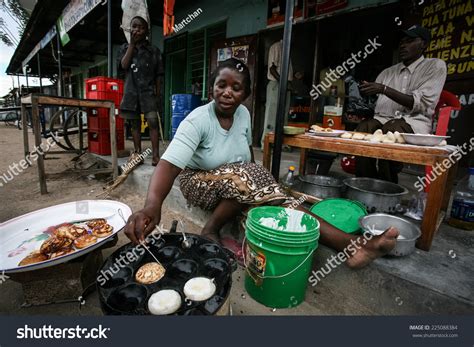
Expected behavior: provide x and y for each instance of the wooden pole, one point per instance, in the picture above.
(281, 109)
(37, 132)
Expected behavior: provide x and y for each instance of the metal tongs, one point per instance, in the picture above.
(143, 243)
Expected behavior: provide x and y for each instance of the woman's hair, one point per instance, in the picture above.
(237, 65)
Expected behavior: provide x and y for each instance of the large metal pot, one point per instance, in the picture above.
(377, 223)
(323, 187)
(376, 195)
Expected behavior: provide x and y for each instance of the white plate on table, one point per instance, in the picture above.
(423, 139)
(22, 235)
(334, 133)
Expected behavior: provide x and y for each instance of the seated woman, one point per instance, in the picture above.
(213, 157)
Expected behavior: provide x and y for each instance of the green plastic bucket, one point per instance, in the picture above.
(341, 213)
(278, 262)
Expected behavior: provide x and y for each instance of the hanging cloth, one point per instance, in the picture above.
(168, 17)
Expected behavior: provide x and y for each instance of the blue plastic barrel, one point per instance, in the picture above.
(181, 106)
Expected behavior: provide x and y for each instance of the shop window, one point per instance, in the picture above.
(199, 44)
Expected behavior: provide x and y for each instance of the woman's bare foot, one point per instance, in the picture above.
(375, 248)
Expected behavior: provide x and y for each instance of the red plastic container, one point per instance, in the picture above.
(100, 122)
(99, 141)
(104, 88)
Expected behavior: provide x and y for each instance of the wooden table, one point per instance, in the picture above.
(440, 189)
(35, 100)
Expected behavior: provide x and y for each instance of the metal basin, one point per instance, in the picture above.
(424, 139)
(323, 187)
(377, 223)
(376, 195)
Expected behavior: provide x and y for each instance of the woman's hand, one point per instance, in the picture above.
(141, 223)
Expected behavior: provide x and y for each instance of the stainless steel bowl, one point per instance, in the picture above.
(424, 139)
(376, 224)
(323, 187)
(376, 195)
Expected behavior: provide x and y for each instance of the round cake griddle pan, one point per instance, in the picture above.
(120, 294)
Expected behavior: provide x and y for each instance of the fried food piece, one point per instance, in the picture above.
(54, 244)
(64, 231)
(150, 273)
(358, 136)
(389, 138)
(347, 135)
(61, 252)
(399, 138)
(378, 136)
(317, 128)
(78, 231)
(85, 241)
(103, 230)
(368, 137)
(33, 258)
(96, 222)
(71, 232)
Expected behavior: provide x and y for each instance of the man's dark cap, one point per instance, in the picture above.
(418, 31)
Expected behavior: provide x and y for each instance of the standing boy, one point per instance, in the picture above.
(143, 66)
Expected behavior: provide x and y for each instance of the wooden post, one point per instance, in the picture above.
(113, 141)
(266, 152)
(81, 132)
(303, 154)
(37, 131)
(434, 201)
(24, 122)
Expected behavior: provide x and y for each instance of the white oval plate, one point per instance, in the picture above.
(334, 133)
(22, 235)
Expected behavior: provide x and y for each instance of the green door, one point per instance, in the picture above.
(175, 77)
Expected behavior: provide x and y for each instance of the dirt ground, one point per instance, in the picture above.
(63, 185)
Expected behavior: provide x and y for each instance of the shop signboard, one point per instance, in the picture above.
(73, 14)
(451, 24)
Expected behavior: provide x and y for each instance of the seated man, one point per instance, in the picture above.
(408, 94)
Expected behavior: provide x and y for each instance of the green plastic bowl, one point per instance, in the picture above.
(341, 213)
